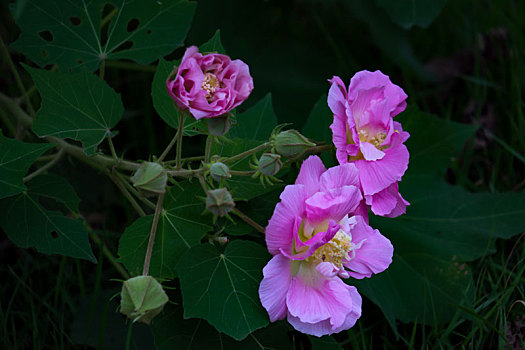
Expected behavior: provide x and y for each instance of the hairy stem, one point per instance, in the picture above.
(169, 147)
(45, 167)
(185, 173)
(207, 149)
(126, 193)
(158, 209)
(112, 148)
(245, 154)
(133, 190)
(248, 220)
(7, 122)
(242, 173)
(180, 133)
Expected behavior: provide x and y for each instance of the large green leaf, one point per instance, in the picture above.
(213, 45)
(245, 188)
(172, 331)
(28, 224)
(408, 13)
(180, 227)
(68, 33)
(15, 159)
(223, 288)
(57, 188)
(257, 122)
(79, 106)
(228, 148)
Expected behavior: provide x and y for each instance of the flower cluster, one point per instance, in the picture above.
(209, 85)
(319, 232)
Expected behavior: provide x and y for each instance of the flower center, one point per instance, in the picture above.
(376, 139)
(210, 84)
(335, 251)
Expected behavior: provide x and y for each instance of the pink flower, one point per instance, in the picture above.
(316, 240)
(365, 134)
(209, 85)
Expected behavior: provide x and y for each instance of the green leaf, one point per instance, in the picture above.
(15, 159)
(223, 288)
(433, 141)
(324, 343)
(172, 331)
(79, 106)
(228, 148)
(27, 224)
(180, 227)
(57, 188)
(257, 123)
(164, 104)
(421, 286)
(409, 13)
(244, 188)
(69, 34)
(317, 127)
(213, 45)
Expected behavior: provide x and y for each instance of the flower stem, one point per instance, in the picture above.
(158, 209)
(248, 220)
(107, 253)
(112, 148)
(245, 154)
(169, 147)
(45, 166)
(126, 193)
(242, 173)
(185, 172)
(207, 149)
(180, 133)
(133, 190)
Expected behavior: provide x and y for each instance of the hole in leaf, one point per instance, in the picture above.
(124, 46)
(54, 234)
(48, 66)
(69, 70)
(80, 61)
(75, 21)
(46, 35)
(44, 53)
(149, 31)
(133, 25)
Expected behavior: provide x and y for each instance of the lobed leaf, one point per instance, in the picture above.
(257, 122)
(409, 13)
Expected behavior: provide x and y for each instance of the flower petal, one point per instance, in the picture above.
(274, 287)
(309, 175)
(339, 176)
(333, 204)
(370, 152)
(375, 253)
(337, 96)
(387, 202)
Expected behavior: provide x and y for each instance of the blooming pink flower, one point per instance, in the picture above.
(316, 240)
(209, 85)
(365, 134)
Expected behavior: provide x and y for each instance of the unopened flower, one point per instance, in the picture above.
(142, 298)
(269, 164)
(318, 235)
(209, 85)
(219, 171)
(219, 201)
(365, 134)
(291, 144)
(150, 178)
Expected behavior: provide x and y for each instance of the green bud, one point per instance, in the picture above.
(142, 298)
(270, 164)
(219, 201)
(150, 178)
(291, 143)
(219, 171)
(219, 126)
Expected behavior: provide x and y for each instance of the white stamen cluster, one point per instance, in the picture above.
(210, 84)
(335, 251)
(375, 140)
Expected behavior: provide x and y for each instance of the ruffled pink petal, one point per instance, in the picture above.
(337, 96)
(370, 152)
(306, 249)
(374, 254)
(334, 204)
(363, 106)
(274, 287)
(378, 175)
(329, 307)
(339, 138)
(279, 232)
(310, 173)
(339, 176)
(327, 269)
(387, 202)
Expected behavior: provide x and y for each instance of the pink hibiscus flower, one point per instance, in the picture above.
(316, 240)
(365, 134)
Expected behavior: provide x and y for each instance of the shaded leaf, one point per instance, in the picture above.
(57, 188)
(257, 122)
(317, 127)
(79, 106)
(223, 288)
(409, 13)
(324, 343)
(213, 45)
(28, 224)
(228, 148)
(15, 159)
(245, 187)
(180, 227)
(69, 34)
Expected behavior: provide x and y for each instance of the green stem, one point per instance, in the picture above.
(185, 173)
(112, 148)
(133, 190)
(45, 167)
(180, 133)
(102, 69)
(169, 147)
(107, 253)
(149, 250)
(245, 154)
(126, 193)
(186, 159)
(17, 77)
(207, 150)
(242, 173)
(248, 220)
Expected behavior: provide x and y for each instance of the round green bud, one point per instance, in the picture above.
(291, 143)
(219, 171)
(270, 164)
(142, 298)
(150, 179)
(219, 126)
(219, 201)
